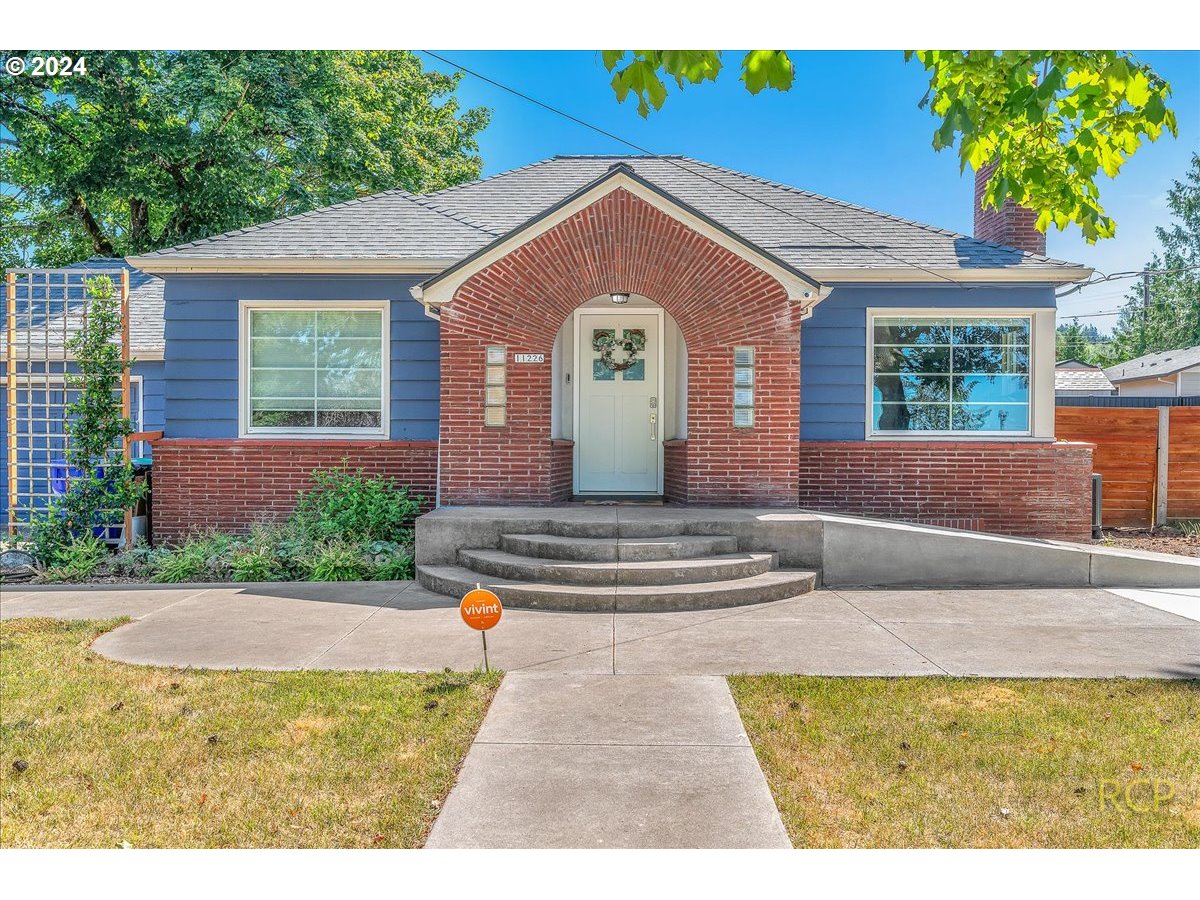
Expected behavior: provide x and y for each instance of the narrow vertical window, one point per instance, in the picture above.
(743, 387)
(495, 400)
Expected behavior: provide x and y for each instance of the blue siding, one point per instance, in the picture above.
(202, 351)
(833, 346)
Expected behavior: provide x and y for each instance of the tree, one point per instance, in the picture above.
(152, 148)
(1172, 318)
(1081, 342)
(1049, 121)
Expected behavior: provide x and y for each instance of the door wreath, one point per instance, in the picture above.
(605, 342)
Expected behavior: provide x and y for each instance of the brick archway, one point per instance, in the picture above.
(719, 300)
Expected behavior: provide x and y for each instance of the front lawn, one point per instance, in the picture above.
(942, 762)
(101, 754)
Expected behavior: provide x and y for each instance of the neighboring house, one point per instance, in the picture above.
(620, 326)
(1171, 373)
(41, 396)
(1075, 378)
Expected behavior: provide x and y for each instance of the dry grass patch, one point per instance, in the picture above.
(95, 753)
(943, 762)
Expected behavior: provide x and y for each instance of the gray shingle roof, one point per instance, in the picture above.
(145, 308)
(390, 225)
(1071, 379)
(1155, 365)
(803, 229)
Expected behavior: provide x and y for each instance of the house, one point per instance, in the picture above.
(1075, 378)
(49, 303)
(620, 326)
(1171, 373)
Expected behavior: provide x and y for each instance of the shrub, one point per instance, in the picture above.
(352, 506)
(255, 564)
(337, 561)
(200, 558)
(78, 559)
(396, 567)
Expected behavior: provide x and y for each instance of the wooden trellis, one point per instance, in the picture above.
(44, 309)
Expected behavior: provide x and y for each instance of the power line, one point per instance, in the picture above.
(682, 168)
(1119, 275)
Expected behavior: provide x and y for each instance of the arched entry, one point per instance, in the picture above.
(501, 360)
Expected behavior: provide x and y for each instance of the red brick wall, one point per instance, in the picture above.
(230, 484)
(562, 463)
(1010, 225)
(675, 486)
(1037, 490)
(621, 243)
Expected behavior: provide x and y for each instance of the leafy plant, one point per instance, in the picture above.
(1050, 122)
(394, 567)
(353, 506)
(337, 561)
(200, 558)
(78, 559)
(1188, 527)
(255, 564)
(100, 484)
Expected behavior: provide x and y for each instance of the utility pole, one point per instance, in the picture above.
(1145, 297)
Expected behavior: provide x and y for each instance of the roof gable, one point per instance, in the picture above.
(1155, 365)
(440, 289)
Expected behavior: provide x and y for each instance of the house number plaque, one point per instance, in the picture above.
(529, 357)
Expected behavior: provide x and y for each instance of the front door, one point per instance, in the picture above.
(618, 442)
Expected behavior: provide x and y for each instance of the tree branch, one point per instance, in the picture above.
(100, 242)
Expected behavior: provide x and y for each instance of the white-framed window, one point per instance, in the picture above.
(950, 374)
(314, 368)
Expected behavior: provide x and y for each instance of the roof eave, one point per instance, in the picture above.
(181, 265)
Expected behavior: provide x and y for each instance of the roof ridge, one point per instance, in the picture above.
(366, 198)
(875, 212)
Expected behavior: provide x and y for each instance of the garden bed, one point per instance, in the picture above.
(1181, 538)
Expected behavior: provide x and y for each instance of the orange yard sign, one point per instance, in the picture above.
(480, 609)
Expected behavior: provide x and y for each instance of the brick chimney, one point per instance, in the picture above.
(1010, 225)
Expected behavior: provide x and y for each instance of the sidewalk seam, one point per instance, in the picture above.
(374, 612)
(893, 634)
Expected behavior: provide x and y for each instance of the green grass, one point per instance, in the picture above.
(153, 757)
(941, 762)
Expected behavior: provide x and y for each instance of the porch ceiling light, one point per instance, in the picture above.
(619, 298)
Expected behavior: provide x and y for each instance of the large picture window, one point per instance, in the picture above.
(950, 374)
(315, 369)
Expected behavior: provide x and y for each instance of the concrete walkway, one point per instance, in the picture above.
(1082, 632)
(629, 761)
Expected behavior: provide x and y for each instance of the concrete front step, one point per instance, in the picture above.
(769, 586)
(725, 567)
(610, 549)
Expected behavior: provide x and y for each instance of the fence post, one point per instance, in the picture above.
(1160, 481)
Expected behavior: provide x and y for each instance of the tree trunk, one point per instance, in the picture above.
(139, 225)
(101, 244)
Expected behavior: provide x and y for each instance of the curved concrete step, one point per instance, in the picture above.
(727, 567)
(776, 585)
(608, 549)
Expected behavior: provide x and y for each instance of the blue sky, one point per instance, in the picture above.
(849, 128)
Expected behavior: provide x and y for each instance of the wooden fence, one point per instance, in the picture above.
(1149, 457)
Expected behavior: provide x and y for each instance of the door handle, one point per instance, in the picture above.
(653, 427)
